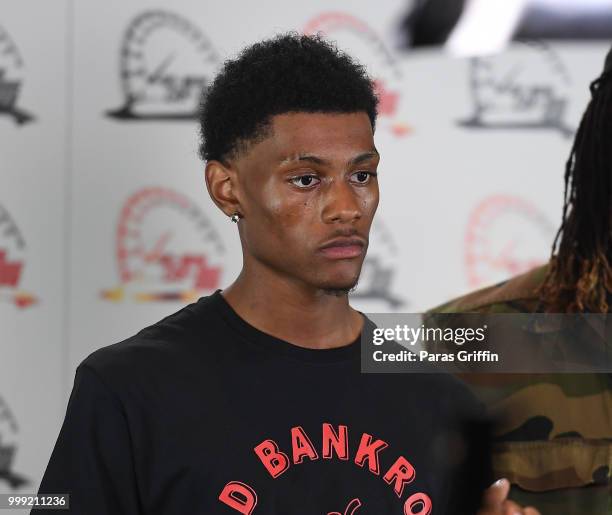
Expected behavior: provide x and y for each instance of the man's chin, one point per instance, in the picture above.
(338, 290)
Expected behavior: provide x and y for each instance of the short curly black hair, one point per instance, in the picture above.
(289, 73)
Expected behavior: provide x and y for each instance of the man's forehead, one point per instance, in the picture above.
(311, 120)
(292, 136)
(298, 135)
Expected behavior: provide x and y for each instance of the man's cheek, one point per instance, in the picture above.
(370, 203)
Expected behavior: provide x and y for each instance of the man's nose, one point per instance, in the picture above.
(341, 203)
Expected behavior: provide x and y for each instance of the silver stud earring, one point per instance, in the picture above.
(235, 217)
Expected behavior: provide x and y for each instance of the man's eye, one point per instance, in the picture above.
(363, 177)
(303, 181)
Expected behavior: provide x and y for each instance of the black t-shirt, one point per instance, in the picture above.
(202, 413)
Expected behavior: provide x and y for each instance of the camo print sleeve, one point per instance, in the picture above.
(554, 436)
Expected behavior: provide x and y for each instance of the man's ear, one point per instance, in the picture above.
(222, 185)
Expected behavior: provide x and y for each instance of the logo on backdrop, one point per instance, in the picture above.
(358, 38)
(506, 235)
(12, 251)
(11, 80)
(165, 64)
(524, 88)
(8, 432)
(379, 269)
(166, 249)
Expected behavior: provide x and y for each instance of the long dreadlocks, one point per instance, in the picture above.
(580, 273)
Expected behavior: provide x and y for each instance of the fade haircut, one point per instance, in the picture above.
(289, 73)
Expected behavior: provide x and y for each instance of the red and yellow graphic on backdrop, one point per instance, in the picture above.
(358, 38)
(166, 249)
(12, 251)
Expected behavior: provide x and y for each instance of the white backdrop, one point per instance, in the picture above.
(105, 223)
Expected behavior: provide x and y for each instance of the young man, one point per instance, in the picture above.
(251, 400)
(556, 434)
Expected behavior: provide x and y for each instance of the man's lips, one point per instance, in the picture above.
(343, 248)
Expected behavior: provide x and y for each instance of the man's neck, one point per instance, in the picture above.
(305, 316)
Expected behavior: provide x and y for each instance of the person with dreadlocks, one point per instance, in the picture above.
(579, 277)
(555, 430)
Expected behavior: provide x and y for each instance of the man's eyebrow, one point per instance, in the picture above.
(364, 157)
(311, 158)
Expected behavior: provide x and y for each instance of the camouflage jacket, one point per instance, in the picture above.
(554, 441)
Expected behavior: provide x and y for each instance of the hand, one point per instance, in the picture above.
(495, 501)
